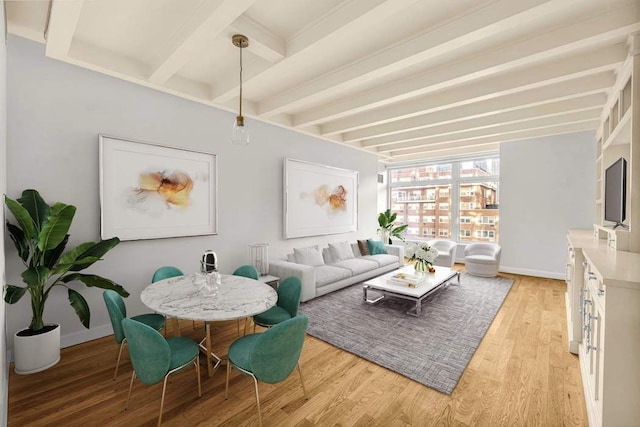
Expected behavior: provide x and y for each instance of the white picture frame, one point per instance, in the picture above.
(319, 199)
(150, 191)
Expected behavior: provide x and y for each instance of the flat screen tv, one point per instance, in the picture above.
(615, 192)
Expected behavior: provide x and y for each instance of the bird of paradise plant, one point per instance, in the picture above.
(41, 237)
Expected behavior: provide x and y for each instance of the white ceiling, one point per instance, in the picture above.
(406, 79)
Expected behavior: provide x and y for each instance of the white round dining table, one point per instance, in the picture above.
(185, 297)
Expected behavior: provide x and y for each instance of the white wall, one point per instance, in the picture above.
(55, 113)
(547, 186)
(4, 363)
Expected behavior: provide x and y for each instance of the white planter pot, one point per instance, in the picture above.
(36, 353)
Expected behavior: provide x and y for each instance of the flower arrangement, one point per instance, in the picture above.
(424, 255)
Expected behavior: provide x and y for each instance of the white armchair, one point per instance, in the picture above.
(446, 252)
(482, 259)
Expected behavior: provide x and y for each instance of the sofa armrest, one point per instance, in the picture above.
(397, 250)
(305, 273)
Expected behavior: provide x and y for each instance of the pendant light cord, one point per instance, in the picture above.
(240, 109)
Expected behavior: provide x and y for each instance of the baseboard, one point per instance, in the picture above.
(84, 336)
(534, 273)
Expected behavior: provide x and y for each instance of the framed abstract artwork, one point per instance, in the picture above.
(319, 199)
(150, 191)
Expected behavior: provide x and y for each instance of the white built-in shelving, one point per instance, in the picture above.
(603, 267)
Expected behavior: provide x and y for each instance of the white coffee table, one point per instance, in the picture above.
(434, 281)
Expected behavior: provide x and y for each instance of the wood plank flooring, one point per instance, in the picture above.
(521, 374)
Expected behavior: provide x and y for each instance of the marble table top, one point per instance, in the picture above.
(184, 297)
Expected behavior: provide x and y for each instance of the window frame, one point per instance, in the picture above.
(454, 189)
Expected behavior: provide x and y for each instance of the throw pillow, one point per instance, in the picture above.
(364, 249)
(376, 247)
(309, 256)
(340, 251)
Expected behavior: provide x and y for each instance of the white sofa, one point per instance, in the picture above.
(330, 274)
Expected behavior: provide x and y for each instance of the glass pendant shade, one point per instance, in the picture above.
(239, 133)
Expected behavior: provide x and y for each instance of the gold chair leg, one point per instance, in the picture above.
(175, 326)
(255, 382)
(226, 386)
(238, 326)
(124, 340)
(164, 389)
(304, 390)
(197, 363)
(133, 377)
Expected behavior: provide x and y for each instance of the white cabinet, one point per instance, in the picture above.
(609, 352)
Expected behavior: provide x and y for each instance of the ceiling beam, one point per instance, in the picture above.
(209, 19)
(591, 86)
(499, 130)
(63, 21)
(351, 17)
(564, 69)
(488, 19)
(447, 153)
(592, 102)
(262, 42)
(527, 134)
(607, 28)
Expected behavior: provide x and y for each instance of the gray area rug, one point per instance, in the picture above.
(432, 349)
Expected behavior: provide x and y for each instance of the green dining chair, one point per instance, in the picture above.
(247, 271)
(287, 306)
(118, 311)
(155, 357)
(250, 272)
(269, 357)
(167, 272)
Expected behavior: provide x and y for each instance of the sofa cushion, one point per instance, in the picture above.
(364, 249)
(310, 255)
(376, 247)
(291, 258)
(340, 251)
(327, 274)
(381, 259)
(357, 265)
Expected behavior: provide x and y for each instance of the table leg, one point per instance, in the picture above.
(207, 331)
(213, 361)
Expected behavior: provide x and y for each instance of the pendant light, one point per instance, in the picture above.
(240, 133)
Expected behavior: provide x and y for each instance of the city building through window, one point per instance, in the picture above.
(448, 199)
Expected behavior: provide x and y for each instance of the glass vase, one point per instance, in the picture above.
(421, 266)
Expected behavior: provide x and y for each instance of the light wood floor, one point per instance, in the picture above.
(522, 374)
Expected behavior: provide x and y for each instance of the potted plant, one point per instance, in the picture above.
(388, 227)
(41, 236)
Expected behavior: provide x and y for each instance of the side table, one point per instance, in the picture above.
(270, 280)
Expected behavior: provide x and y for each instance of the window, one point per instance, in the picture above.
(485, 234)
(420, 173)
(485, 220)
(465, 192)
